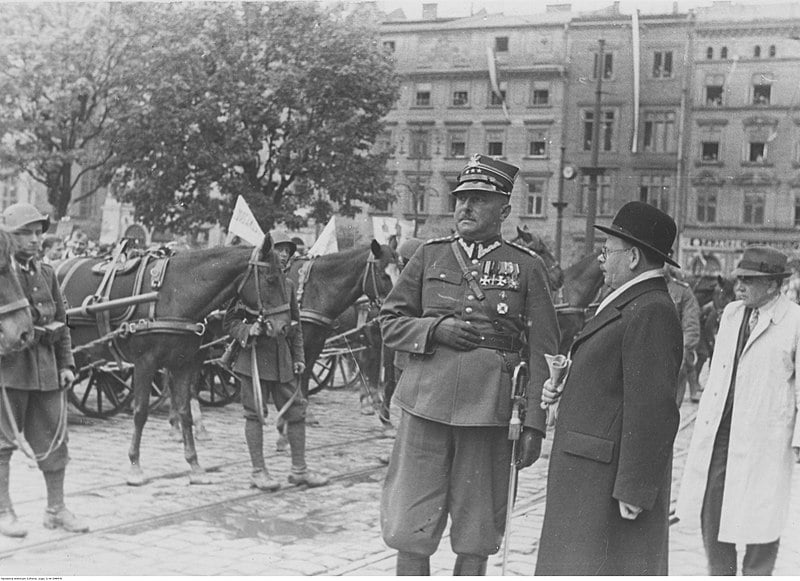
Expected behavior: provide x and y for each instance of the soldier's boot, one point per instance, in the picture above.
(57, 516)
(9, 526)
(471, 565)
(412, 564)
(296, 434)
(254, 436)
(263, 481)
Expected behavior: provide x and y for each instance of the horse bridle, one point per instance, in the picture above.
(371, 268)
(253, 269)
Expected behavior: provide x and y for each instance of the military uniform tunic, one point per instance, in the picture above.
(452, 453)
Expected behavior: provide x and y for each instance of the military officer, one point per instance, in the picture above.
(33, 381)
(689, 314)
(467, 309)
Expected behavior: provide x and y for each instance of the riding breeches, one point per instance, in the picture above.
(437, 469)
(39, 416)
(281, 393)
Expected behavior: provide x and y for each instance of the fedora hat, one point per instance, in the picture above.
(762, 261)
(485, 174)
(21, 214)
(644, 225)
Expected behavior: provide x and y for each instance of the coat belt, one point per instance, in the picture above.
(501, 342)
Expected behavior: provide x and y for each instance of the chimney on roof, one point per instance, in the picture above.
(558, 8)
(429, 11)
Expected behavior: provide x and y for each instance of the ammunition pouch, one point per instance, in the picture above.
(48, 334)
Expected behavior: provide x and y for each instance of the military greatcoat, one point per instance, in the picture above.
(470, 388)
(617, 419)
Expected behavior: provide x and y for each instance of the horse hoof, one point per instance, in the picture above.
(199, 478)
(202, 435)
(136, 479)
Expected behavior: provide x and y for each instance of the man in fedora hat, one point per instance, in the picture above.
(467, 310)
(34, 381)
(737, 479)
(608, 487)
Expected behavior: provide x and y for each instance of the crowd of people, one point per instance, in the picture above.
(468, 314)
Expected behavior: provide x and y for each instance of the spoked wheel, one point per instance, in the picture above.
(346, 372)
(159, 390)
(322, 373)
(218, 385)
(101, 391)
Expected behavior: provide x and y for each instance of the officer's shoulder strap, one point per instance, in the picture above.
(440, 240)
(524, 249)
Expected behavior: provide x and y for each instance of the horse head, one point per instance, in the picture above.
(538, 245)
(263, 290)
(16, 325)
(582, 281)
(724, 292)
(381, 272)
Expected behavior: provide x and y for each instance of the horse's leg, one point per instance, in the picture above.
(183, 379)
(142, 379)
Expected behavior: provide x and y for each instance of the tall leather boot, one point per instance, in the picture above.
(412, 564)
(470, 565)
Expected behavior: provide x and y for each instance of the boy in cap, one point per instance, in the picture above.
(467, 309)
(34, 381)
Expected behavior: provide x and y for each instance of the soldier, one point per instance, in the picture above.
(689, 314)
(467, 309)
(34, 381)
(280, 361)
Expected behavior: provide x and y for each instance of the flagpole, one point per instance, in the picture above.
(591, 202)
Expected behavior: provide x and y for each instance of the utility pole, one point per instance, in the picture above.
(591, 202)
(560, 204)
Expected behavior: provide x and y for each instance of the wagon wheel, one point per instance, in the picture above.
(322, 373)
(218, 385)
(159, 390)
(101, 391)
(347, 372)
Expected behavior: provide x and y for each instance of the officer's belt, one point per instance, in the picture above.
(501, 342)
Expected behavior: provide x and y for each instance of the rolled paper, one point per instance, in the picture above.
(559, 366)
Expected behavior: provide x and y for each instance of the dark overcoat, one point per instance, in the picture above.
(617, 420)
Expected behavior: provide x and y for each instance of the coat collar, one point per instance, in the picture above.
(774, 314)
(613, 310)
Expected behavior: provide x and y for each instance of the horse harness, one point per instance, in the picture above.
(261, 313)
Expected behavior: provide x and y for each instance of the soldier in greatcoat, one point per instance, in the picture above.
(467, 309)
(608, 487)
(33, 381)
(280, 360)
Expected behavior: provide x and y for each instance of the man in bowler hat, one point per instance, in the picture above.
(737, 479)
(608, 488)
(467, 310)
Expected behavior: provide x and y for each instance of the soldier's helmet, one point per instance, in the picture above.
(21, 214)
(280, 237)
(485, 174)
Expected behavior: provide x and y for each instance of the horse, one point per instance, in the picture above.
(329, 284)
(16, 324)
(537, 244)
(167, 334)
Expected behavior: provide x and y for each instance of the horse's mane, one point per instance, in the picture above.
(7, 247)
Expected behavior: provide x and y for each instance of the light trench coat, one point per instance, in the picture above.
(764, 426)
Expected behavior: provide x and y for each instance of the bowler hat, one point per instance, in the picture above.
(21, 214)
(762, 261)
(485, 174)
(644, 225)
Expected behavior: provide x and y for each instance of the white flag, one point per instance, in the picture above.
(244, 224)
(326, 243)
(493, 79)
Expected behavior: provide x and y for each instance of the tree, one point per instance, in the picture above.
(279, 102)
(60, 70)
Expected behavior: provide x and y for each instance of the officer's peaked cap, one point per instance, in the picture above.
(486, 174)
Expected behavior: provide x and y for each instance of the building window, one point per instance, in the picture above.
(756, 51)
(535, 200)
(540, 97)
(662, 64)
(389, 45)
(757, 151)
(460, 98)
(494, 143)
(606, 130)
(714, 88)
(772, 51)
(608, 65)
(709, 151)
(8, 192)
(604, 195)
(706, 207)
(419, 145)
(656, 191)
(710, 53)
(501, 44)
(659, 132)
(422, 95)
(384, 142)
(451, 200)
(723, 52)
(495, 99)
(762, 91)
(537, 143)
(457, 143)
(753, 209)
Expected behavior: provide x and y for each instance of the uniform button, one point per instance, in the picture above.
(470, 297)
(443, 275)
(474, 273)
(474, 261)
(468, 310)
(416, 345)
(36, 288)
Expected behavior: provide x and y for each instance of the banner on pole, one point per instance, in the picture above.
(244, 224)
(326, 243)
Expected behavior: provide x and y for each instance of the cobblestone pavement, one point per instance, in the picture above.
(168, 527)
